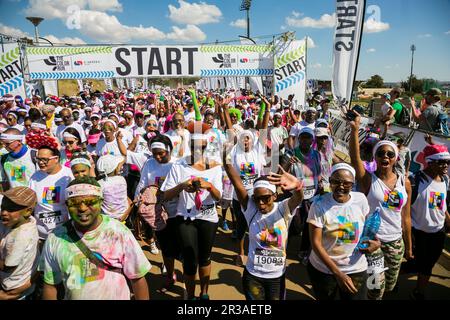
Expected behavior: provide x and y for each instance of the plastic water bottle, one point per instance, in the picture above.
(371, 227)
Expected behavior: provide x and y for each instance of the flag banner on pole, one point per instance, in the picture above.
(108, 84)
(80, 85)
(346, 45)
(11, 77)
(290, 70)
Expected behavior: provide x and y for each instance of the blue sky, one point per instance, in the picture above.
(394, 26)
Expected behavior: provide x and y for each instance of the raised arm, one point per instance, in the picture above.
(288, 182)
(362, 176)
(239, 188)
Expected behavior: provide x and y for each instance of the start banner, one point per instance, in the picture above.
(100, 62)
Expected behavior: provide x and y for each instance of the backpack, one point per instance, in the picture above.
(405, 116)
(441, 125)
(421, 177)
(151, 209)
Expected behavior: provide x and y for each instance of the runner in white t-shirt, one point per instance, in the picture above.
(49, 183)
(268, 222)
(336, 223)
(199, 186)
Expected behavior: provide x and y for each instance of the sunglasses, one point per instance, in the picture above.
(442, 162)
(346, 184)
(382, 154)
(69, 142)
(263, 199)
(10, 119)
(87, 202)
(45, 160)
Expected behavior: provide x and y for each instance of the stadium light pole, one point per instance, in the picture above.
(413, 48)
(245, 6)
(35, 21)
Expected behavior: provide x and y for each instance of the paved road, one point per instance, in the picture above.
(226, 277)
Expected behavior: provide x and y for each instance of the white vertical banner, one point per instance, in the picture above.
(346, 45)
(133, 83)
(144, 84)
(256, 84)
(108, 83)
(80, 85)
(50, 87)
(290, 70)
(240, 82)
(11, 75)
(120, 83)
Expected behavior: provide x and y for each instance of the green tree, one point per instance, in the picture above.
(375, 81)
(416, 84)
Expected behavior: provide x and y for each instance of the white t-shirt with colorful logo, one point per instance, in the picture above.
(51, 210)
(342, 225)
(63, 262)
(428, 210)
(19, 171)
(268, 235)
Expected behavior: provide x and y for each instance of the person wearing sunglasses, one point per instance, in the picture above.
(429, 214)
(19, 164)
(336, 223)
(268, 224)
(49, 183)
(198, 184)
(391, 192)
(64, 262)
(71, 144)
(12, 121)
(68, 122)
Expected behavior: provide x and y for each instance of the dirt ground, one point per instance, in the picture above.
(226, 281)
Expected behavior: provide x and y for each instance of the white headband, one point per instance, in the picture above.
(5, 136)
(69, 135)
(39, 125)
(128, 111)
(265, 184)
(84, 189)
(386, 143)
(199, 136)
(343, 166)
(80, 161)
(110, 121)
(13, 114)
(159, 145)
(438, 156)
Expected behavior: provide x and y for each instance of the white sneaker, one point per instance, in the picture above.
(154, 248)
(163, 269)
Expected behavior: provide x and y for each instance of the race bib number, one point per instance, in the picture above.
(51, 219)
(375, 264)
(248, 181)
(309, 191)
(207, 210)
(268, 260)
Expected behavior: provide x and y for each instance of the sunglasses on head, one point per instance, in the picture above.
(389, 154)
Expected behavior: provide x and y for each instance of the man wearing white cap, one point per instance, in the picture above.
(310, 118)
(19, 164)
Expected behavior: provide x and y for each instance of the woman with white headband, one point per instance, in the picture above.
(198, 183)
(336, 223)
(71, 142)
(82, 165)
(391, 192)
(108, 144)
(268, 224)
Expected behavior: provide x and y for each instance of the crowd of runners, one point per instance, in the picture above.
(87, 179)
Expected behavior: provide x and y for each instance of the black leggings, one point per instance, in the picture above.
(241, 223)
(256, 288)
(196, 239)
(427, 249)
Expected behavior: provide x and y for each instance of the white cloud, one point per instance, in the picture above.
(11, 31)
(239, 23)
(190, 34)
(426, 35)
(370, 50)
(107, 28)
(448, 32)
(14, 32)
(316, 66)
(283, 27)
(50, 9)
(296, 14)
(373, 26)
(194, 13)
(311, 43)
(325, 21)
(64, 40)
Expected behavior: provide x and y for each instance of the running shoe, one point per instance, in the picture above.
(154, 248)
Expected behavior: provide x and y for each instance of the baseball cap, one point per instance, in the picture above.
(433, 92)
(321, 132)
(21, 196)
